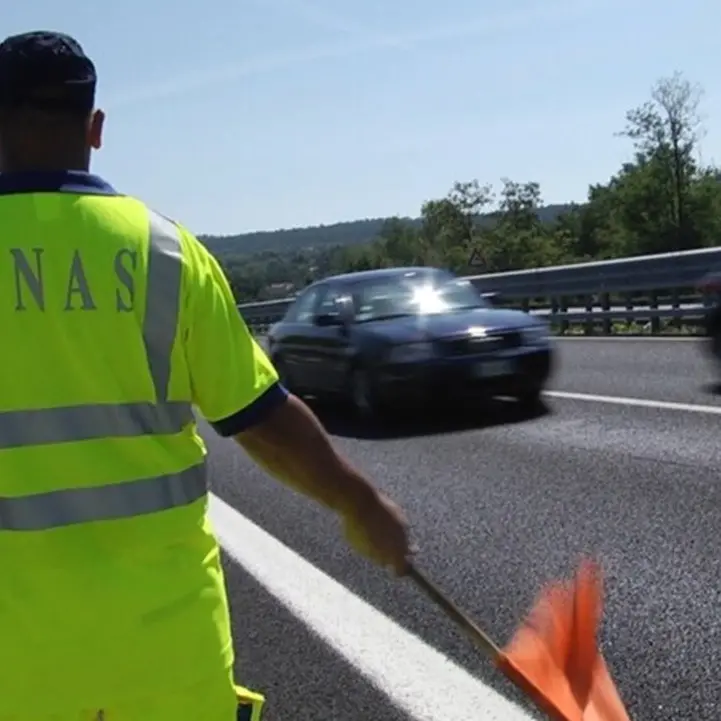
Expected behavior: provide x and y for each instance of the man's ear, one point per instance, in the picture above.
(95, 129)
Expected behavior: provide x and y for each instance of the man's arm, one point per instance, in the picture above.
(236, 388)
(292, 446)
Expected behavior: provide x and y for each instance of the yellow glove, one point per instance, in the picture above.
(379, 531)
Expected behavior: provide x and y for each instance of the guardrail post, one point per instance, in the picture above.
(555, 307)
(588, 325)
(675, 305)
(629, 307)
(653, 304)
(564, 325)
(605, 299)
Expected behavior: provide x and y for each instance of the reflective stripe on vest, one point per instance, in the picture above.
(88, 422)
(66, 507)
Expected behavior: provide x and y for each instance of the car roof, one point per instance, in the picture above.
(378, 274)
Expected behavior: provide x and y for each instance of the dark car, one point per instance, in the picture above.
(711, 287)
(384, 338)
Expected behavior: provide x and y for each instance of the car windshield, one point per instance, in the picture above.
(405, 296)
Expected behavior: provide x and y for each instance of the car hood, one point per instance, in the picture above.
(409, 329)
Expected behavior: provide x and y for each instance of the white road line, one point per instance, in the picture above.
(636, 402)
(414, 676)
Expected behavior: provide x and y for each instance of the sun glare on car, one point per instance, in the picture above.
(428, 299)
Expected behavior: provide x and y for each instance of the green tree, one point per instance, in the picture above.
(400, 243)
(517, 238)
(665, 132)
(663, 200)
(450, 227)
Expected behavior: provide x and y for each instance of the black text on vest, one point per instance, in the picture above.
(30, 291)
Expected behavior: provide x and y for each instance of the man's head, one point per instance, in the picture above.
(47, 101)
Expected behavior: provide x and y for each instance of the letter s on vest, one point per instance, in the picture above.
(126, 262)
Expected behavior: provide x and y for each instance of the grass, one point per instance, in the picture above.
(672, 328)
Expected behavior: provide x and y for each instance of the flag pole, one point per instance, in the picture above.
(480, 637)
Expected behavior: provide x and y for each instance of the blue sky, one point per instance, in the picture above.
(239, 115)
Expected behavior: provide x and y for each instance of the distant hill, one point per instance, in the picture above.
(353, 232)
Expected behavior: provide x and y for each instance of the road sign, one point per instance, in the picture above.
(476, 259)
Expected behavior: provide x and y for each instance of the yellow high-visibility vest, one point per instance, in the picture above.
(114, 322)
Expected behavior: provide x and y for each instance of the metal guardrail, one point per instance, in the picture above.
(647, 288)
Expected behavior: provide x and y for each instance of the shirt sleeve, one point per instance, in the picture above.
(233, 382)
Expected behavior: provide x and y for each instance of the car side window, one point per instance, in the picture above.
(379, 299)
(329, 304)
(303, 310)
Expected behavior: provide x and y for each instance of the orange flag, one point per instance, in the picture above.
(554, 656)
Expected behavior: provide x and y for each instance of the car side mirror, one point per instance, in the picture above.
(494, 299)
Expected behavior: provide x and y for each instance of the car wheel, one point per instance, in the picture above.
(361, 392)
(716, 343)
(713, 332)
(531, 399)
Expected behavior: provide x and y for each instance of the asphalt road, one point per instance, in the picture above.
(499, 505)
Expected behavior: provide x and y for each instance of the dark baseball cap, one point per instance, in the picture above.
(46, 70)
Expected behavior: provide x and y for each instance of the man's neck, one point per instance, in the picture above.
(44, 167)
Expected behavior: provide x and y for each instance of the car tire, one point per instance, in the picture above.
(361, 393)
(715, 343)
(713, 334)
(531, 399)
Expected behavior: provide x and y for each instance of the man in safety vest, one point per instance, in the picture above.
(115, 322)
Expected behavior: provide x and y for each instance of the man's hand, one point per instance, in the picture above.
(291, 445)
(378, 530)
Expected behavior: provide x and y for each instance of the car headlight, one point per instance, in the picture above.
(410, 352)
(535, 334)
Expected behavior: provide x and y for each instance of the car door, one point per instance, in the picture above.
(330, 344)
(297, 342)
